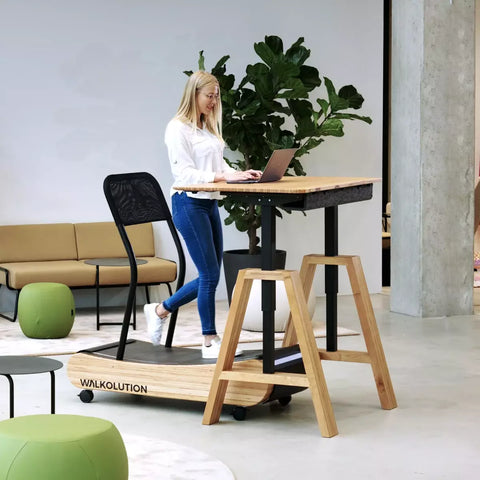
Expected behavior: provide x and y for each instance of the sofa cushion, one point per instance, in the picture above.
(27, 243)
(69, 272)
(102, 240)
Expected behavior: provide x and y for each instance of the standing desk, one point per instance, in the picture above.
(302, 194)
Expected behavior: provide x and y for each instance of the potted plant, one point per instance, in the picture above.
(275, 106)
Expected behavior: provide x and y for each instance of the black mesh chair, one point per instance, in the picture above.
(136, 198)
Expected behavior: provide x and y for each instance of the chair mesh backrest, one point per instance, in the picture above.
(135, 198)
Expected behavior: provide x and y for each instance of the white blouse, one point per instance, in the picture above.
(195, 156)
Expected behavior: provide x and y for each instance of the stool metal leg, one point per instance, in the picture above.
(97, 292)
(10, 381)
(147, 294)
(52, 392)
(135, 310)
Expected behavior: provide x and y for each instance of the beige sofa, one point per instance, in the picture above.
(57, 252)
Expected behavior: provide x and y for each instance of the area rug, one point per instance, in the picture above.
(84, 334)
(152, 459)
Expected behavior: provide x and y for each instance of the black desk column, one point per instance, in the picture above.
(268, 288)
(331, 276)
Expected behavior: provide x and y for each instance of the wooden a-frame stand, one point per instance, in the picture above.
(374, 354)
(299, 330)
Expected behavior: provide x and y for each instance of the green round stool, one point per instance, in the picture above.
(61, 447)
(46, 310)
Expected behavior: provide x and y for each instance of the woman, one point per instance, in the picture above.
(195, 150)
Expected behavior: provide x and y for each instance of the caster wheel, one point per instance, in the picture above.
(284, 401)
(239, 413)
(86, 396)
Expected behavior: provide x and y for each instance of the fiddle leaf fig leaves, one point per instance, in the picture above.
(324, 106)
(276, 105)
(349, 93)
(201, 61)
(336, 102)
(270, 50)
(275, 44)
(310, 77)
(352, 116)
(297, 53)
(331, 126)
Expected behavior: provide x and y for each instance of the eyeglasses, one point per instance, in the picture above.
(212, 96)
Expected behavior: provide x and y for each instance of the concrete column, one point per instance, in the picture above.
(432, 156)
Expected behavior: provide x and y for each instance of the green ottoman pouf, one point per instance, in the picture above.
(61, 447)
(46, 310)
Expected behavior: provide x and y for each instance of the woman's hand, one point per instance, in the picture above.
(239, 175)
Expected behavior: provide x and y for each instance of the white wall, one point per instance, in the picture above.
(87, 88)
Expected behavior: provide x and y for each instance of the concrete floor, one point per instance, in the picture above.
(433, 434)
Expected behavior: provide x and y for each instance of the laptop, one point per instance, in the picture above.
(276, 167)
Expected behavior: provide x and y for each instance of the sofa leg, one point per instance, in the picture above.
(15, 310)
(11, 319)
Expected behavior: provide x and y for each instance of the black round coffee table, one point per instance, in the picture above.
(23, 365)
(111, 262)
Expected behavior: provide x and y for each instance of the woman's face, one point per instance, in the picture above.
(207, 98)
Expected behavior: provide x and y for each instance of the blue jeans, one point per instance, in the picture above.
(198, 221)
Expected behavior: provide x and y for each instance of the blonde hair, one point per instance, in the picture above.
(187, 111)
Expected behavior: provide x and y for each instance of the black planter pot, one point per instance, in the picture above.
(235, 260)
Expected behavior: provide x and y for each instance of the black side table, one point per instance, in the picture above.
(110, 262)
(23, 365)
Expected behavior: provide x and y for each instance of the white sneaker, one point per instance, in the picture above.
(154, 323)
(213, 349)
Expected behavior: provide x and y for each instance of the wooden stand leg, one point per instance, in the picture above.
(311, 360)
(307, 273)
(371, 334)
(233, 327)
